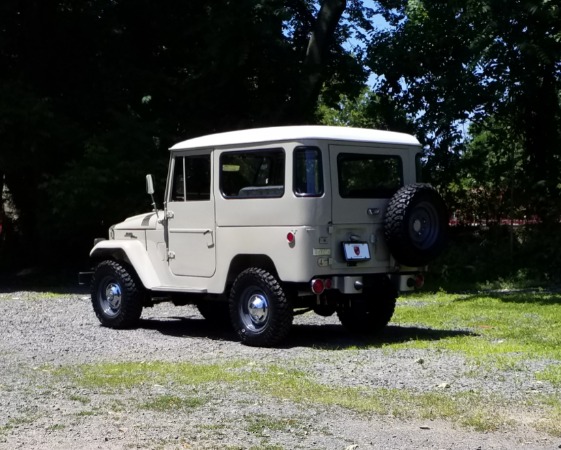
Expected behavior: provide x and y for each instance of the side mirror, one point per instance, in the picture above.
(150, 192)
(149, 185)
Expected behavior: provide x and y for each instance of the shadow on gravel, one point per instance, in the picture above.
(335, 337)
(188, 327)
(323, 336)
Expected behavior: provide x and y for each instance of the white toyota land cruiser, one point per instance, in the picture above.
(261, 224)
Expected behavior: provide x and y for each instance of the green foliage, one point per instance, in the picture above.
(499, 257)
(365, 110)
(490, 184)
(92, 95)
(486, 62)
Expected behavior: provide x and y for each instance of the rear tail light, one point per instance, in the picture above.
(319, 285)
(419, 281)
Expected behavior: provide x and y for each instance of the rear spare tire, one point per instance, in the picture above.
(416, 224)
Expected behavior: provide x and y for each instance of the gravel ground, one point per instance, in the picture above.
(41, 332)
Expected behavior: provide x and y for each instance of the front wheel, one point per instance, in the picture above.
(116, 295)
(260, 312)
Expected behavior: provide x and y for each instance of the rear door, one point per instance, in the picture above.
(364, 178)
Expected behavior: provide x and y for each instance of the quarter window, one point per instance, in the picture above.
(252, 174)
(369, 176)
(308, 172)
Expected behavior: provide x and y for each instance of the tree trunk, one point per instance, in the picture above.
(313, 70)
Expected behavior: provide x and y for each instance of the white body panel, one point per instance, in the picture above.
(191, 245)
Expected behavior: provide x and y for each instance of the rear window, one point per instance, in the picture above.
(252, 174)
(369, 176)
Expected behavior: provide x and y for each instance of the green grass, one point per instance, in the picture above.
(497, 326)
(552, 374)
(469, 408)
(264, 426)
(126, 375)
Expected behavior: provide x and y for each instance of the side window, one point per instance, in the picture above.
(252, 174)
(369, 176)
(191, 178)
(308, 172)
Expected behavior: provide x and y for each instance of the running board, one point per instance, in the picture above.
(185, 290)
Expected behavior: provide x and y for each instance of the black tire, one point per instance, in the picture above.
(371, 311)
(260, 312)
(117, 296)
(216, 313)
(416, 225)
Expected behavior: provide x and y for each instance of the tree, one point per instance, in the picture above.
(452, 63)
(93, 93)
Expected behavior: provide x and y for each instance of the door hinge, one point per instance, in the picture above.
(170, 215)
(171, 255)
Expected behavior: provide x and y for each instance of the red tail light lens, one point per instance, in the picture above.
(318, 286)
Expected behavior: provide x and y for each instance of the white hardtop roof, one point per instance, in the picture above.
(273, 134)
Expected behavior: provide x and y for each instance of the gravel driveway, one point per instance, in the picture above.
(42, 333)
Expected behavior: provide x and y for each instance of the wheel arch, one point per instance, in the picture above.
(241, 262)
(133, 254)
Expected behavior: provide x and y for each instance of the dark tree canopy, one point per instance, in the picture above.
(93, 93)
(457, 62)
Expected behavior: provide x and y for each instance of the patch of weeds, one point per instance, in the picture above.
(552, 374)
(116, 406)
(80, 398)
(551, 420)
(15, 422)
(56, 427)
(469, 408)
(126, 375)
(169, 403)
(487, 363)
(263, 425)
(87, 413)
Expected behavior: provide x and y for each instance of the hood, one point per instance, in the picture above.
(146, 221)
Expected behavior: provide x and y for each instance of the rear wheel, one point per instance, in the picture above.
(260, 312)
(116, 295)
(370, 311)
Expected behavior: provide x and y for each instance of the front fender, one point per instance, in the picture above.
(131, 251)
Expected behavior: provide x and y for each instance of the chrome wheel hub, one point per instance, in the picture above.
(254, 310)
(258, 309)
(112, 298)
